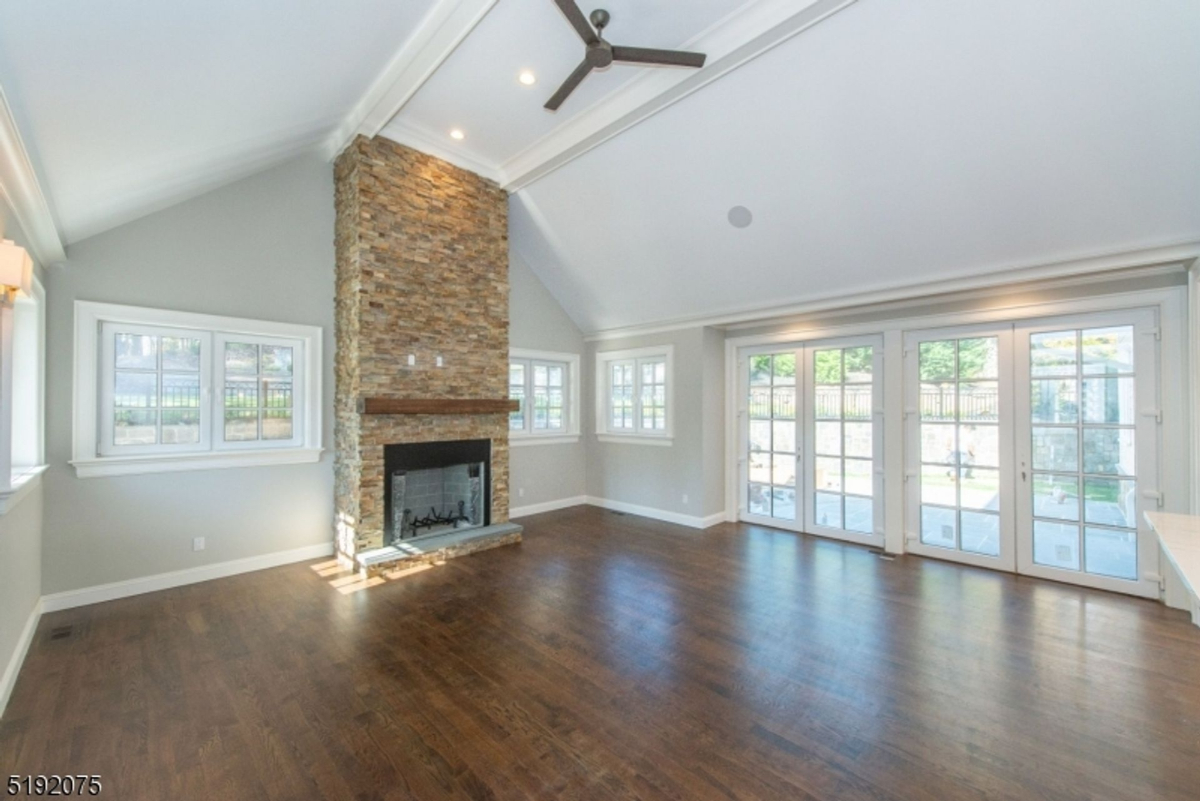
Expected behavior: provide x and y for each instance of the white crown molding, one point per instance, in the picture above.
(441, 31)
(406, 133)
(732, 42)
(23, 192)
(1173, 257)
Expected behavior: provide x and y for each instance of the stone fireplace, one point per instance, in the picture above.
(421, 355)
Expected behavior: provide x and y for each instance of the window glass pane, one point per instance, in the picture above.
(859, 440)
(135, 427)
(516, 391)
(136, 352)
(859, 479)
(785, 436)
(180, 353)
(783, 503)
(1108, 451)
(783, 402)
(660, 372)
(760, 468)
(827, 365)
(277, 394)
(760, 402)
(1110, 502)
(516, 374)
(760, 500)
(241, 357)
(277, 424)
(1053, 354)
(978, 358)
(979, 402)
(937, 361)
(1056, 496)
(1111, 553)
(828, 511)
(1056, 544)
(938, 444)
(180, 391)
(180, 426)
(857, 402)
(540, 375)
(1055, 400)
(760, 369)
(828, 403)
(857, 364)
(135, 390)
(827, 474)
(939, 526)
(938, 401)
(981, 533)
(784, 372)
(979, 445)
(241, 425)
(241, 394)
(556, 376)
(1056, 449)
(938, 485)
(1107, 350)
(760, 435)
(783, 472)
(979, 488)
(1108, 400)
(828, 440)
(276, 360)
(860, 515)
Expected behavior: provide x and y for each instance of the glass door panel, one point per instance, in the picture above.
(771, 436)
(959, 446)
(1086, 452)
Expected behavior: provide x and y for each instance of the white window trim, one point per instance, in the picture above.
(86, 458)
(568, 435)
(18, 480)
(637, 436)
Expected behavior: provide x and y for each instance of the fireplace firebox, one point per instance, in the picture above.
(435, 487)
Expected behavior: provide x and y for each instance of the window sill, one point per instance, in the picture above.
(24, 479)
(522, 440)
(167, 463)
(635, 439)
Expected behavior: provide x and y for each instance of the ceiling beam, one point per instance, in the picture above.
(443, 28)
(730, 43)
(22, 191)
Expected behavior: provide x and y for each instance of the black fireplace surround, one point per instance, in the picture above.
(431, 455)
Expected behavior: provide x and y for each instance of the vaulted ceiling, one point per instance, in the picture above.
(876, 143)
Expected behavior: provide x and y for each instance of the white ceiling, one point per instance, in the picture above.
(892, 143)
(130, 105)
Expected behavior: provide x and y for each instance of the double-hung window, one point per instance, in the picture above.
(547, 386)
(22, 396)
(634, 395)
(166, 390)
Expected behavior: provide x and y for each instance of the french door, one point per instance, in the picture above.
(1033, 448)
(810, 438)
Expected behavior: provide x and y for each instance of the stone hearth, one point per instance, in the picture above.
(422, 275)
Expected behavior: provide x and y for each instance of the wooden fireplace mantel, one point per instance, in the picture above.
(437, 405)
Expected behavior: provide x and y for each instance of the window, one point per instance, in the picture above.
(23, 414)
(547, 385)
(634, 395)
(168, 390)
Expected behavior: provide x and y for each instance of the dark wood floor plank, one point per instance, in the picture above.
(615, 657)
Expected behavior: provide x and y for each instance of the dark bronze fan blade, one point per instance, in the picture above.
(569, 85)
(579, 22)
(647, 55)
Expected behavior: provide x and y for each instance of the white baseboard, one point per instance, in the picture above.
(548, 506)
(178, 578)
(9, 680)
(690, 521)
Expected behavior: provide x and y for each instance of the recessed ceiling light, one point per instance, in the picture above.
(527, 78)
(457, 134)
(740, 217)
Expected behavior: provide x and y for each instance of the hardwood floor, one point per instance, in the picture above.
(613, 657)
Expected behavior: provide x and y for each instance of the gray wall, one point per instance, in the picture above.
(658, 477)
(260, 248)
(20, 534)
(537, 322)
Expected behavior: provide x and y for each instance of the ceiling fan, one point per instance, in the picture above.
(600, 54)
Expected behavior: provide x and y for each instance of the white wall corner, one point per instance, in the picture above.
(23, 192)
